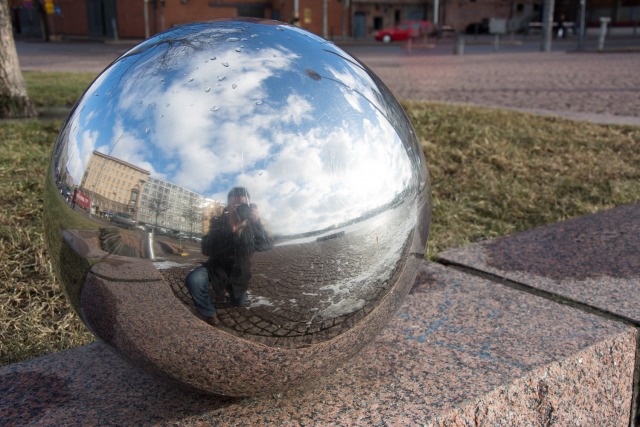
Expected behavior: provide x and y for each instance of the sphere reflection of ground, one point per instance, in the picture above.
(305, 293)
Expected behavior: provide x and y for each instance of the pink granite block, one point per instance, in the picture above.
(140, 318)
(461, 350)
(592, 260)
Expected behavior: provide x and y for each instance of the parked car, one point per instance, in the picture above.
(66, 192)
(181, 236)
(123, 220)
(160, 231)
(404, 31)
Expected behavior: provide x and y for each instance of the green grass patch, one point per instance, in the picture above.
(55, 89)
(493, 173)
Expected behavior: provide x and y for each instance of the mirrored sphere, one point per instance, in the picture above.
(237, 206)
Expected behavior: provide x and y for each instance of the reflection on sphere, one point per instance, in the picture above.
(163, 261)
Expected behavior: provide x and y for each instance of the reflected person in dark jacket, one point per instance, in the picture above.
(229, 244)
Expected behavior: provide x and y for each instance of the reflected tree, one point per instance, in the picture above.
(192, 214)
(170, 49)
(158, 205)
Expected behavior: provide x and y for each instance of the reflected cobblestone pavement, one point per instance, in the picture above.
(292, 286)
(308, 292)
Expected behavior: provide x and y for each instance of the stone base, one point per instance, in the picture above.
(461, 351)
(590, 260)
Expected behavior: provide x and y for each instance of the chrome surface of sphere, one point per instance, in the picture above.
(237, 206)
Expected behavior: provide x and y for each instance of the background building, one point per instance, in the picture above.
(331, 19)
(519, 13)
(370, 16)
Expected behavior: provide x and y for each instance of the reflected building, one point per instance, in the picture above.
(113, 184)
(168, 205)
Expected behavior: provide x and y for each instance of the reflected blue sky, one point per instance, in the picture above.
(272, 108)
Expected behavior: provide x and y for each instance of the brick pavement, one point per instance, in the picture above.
(602, 88)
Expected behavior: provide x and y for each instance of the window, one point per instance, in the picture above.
(377, 22)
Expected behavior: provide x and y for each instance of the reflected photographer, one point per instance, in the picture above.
(232, 238)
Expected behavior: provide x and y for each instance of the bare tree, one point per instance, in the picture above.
(14, 101)
(158, 206)
(193, 214)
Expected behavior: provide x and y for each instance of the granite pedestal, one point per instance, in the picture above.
(462, 350)
(591, 263)
(591, 260)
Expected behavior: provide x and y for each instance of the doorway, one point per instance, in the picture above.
(101, 15)
(359, 25)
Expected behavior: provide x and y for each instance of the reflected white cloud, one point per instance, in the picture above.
(305, 133)
(130, 148)
(297, 109)
(344, 176)
(80, 149)
(203, 122)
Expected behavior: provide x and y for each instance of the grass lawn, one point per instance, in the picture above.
(55, 89)
(493, 173)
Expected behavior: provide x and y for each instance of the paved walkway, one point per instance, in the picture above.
(91, 57)
(598, 87)
(603, 88)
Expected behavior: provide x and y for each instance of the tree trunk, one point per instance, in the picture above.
(14, 101)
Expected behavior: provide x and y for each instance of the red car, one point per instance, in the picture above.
(404, 30)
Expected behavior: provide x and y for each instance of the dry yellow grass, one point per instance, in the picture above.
(498, 172)
(35, 317)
